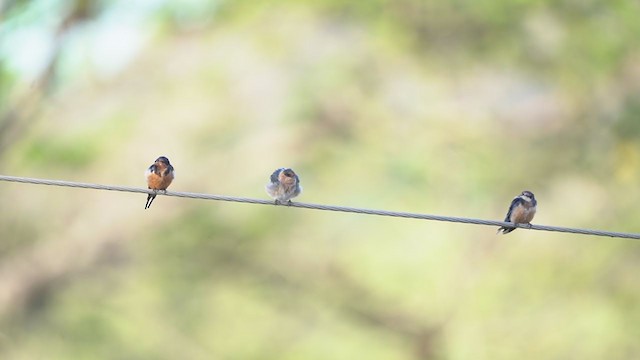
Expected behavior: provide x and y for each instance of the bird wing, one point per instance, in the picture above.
(274, 176)
(516, 201)
(151, 169)
(168, 170)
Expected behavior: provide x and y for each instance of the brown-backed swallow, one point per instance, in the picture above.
(284, 185)
(521, 211)
(159, 176)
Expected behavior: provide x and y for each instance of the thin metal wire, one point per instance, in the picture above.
(319, 207)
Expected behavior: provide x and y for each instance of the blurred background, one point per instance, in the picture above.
(439, 107)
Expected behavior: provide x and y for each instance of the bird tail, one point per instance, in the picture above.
(505, 230)
(150, 199)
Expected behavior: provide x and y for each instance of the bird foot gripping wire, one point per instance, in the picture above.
(278, 202)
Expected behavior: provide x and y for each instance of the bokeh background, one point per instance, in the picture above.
(441, 107)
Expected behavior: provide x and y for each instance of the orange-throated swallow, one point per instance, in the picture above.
(159, 176)
(284, 185)
(521, 211)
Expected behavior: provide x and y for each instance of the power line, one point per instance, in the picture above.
(318, 207)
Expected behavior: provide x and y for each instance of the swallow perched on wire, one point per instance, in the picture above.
(159, 176)
(284, 185)
(521, 211)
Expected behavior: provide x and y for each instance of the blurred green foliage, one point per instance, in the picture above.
(444, 107)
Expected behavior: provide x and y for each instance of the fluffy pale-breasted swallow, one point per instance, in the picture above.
(284, 185)
(159, 176)
(521, 211)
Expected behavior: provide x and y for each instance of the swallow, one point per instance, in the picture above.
(159, 176)
(284, 185)
(521, 211)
